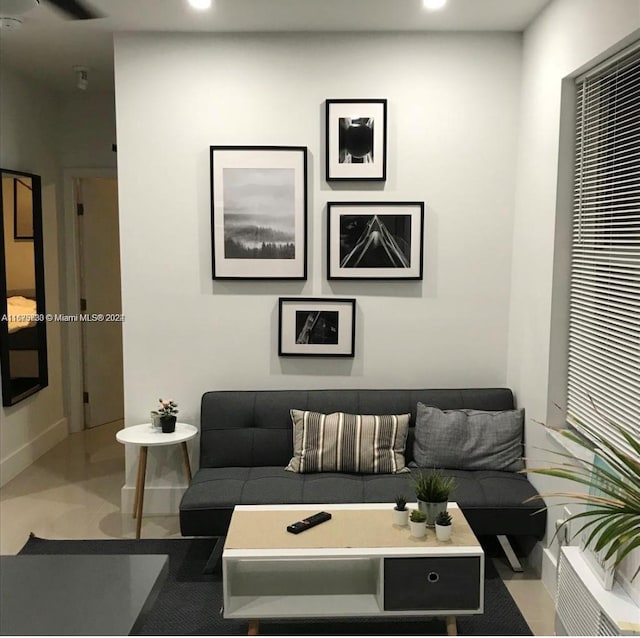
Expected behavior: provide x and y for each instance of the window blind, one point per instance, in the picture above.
(604, 324)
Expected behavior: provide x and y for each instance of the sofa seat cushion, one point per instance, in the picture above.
(492, 501)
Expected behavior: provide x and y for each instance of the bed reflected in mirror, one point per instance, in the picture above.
(23, 337)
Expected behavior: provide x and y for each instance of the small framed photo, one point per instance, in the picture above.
(356, 140)
(316, 327)
(259, 212)
(375, 240)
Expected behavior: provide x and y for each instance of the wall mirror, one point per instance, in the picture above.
(23, 330)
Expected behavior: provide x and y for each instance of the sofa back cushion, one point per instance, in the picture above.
(469, 439)
(248, 428)
(355, 443)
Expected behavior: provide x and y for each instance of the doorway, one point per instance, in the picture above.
(100, 299)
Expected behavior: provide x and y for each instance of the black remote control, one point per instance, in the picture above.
(308, 523)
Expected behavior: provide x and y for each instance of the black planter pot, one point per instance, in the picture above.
(168, 424)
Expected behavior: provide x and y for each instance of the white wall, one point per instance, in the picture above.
(453, 103)
(569, 36)
(87, 130)
(86, 133)
(28, 124)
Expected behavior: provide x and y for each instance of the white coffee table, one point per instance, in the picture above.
(356, 564)
(146, 436)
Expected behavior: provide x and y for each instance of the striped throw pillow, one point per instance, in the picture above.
(339, 442)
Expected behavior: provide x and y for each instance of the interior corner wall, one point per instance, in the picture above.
(28, 124)
(566, 38)
(452, 110)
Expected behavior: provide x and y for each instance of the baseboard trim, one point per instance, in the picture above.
(549, 572)
(158, 499)
(27, 454)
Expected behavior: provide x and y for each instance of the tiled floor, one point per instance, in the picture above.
(73, 491)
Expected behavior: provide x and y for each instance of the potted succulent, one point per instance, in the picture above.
(400, 511)
(166, 415)
(443, 526)
(432, 491)
(417, 523)
(611, 521)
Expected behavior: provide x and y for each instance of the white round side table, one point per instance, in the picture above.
(146, 436)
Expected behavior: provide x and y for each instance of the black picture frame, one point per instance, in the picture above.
(22, 209)
(375, 240)
(30, 339)
(316, 327)
(356, 140)
(258, 212)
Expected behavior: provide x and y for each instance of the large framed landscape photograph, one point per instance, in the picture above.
(259, 212)
(321, 327)
(375, 240)
(356, 145)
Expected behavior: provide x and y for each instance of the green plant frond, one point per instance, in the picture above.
(586, 469)
(614, 532)
(605, 481)
(625, 551)
(571, 476)
(619, 538)
(622, 463)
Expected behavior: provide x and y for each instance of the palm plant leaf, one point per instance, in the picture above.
(612, 520)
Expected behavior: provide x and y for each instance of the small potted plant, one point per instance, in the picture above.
(443, 526)
(432, 492)
(417, 523)
(166, 414)
(400, 511)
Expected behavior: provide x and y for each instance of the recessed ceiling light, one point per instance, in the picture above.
(433, 5)
(201, 5)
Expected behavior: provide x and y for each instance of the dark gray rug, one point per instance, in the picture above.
(190, 602)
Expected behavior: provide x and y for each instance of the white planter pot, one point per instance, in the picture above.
(418, 530)
(400, 517)
(443, 532)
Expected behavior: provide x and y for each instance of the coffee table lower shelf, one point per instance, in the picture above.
(402, 577)
(448, 585)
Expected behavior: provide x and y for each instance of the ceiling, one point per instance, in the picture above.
(48, 45)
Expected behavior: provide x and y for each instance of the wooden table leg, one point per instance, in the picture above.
(187, 465)
(142, 471)
(254, 628)
(137, 495)
(452, 627)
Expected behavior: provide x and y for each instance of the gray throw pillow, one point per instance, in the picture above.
(468, 439)
(339, 442)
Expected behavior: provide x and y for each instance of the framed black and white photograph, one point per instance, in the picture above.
(375, 240)
(356, 146)
(322, 327)
(259, 212)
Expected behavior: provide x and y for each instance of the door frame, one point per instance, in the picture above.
(70, 276)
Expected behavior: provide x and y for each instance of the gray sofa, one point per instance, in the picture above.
(246, 442)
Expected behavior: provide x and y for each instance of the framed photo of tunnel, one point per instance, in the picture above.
(356, 147)
(375, 240)
(316, 327)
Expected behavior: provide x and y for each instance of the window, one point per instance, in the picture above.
(604, 328)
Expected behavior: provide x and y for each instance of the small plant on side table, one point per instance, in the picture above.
(400, 511)
(166, 413)
(417, 522)
(443, 526)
